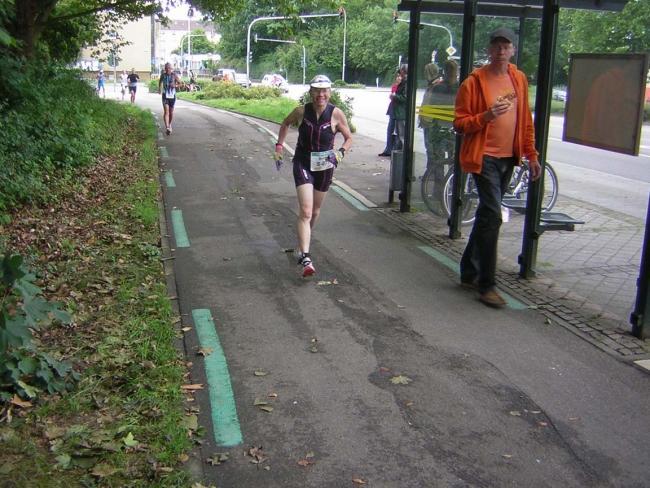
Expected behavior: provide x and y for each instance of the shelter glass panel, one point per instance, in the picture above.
(437, 83)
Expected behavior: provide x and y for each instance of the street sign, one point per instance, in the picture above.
(451, 50)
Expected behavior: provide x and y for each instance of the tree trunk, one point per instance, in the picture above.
(31, 18)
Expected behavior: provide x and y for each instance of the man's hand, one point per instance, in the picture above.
(535, 170)
(499, 108)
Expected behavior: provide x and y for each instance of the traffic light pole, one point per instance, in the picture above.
(249, 54)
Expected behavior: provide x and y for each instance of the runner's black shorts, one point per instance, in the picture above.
(169, 101)
(303, 175)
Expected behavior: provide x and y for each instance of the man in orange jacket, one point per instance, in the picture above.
(493, 115)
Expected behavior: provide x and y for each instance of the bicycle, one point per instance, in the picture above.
(514, 197)
(436, 174)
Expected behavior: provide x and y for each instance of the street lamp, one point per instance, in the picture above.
(451, 50)
(190, 14)
(304, 52)
(307, 16)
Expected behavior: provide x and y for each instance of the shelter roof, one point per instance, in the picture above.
(506, 8)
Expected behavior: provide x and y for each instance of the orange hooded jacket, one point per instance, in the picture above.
(471, 104)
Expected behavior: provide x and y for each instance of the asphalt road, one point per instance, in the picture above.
(381, 369)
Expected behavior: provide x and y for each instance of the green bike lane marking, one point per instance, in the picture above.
(349, 198)
(163, 152)
(169, 179)
(511, 302)
(225, 422)
(180, 235)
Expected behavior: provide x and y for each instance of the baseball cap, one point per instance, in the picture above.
(504, 33)
(320, 81)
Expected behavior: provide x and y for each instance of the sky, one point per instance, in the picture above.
(180, 12)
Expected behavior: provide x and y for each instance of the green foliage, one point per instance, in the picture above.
(223, 89)
(338, 100)
(198, 43)
(49, 119)
(24, 370)
(344, 84)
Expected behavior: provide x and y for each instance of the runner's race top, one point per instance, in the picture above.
(314, 134)
(169, 85)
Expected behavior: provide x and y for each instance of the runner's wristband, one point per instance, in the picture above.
(277, 144)
(342, 150)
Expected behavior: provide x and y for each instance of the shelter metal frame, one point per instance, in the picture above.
(548, 12)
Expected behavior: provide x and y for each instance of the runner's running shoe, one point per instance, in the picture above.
(307, 266)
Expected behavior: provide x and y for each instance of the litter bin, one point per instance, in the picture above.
(396, 170)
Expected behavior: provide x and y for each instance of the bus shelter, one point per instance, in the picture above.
(440, 51)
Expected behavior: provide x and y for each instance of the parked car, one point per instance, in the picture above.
(276, 81)
(559, 94)
(242, 79)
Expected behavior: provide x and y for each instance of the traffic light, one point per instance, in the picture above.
(394, 16)
(250, 57)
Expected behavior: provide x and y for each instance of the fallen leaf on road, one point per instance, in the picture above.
(183, 458)
(195, 386)
(358, 481)
(506, 456)
(515, 413)
(186, 329)
(400, 380)
(542, 424)
(305, 462)
(257, 455)
(217, 458)
(266, 408)
(204, 351)
(573, 419)
(260, 372)
(273, 395)
(409, 404)
(258, 402)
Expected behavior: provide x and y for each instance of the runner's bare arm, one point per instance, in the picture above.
(343, 128)
(292, 119)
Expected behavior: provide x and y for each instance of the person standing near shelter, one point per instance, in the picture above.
(167, 85)
(399, 106)
(494, 118)
(133, 84)
(390, 130)
(315, 158)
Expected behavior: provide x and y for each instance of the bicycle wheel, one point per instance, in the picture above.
(432, 193)
(518, 188)
(469, 198)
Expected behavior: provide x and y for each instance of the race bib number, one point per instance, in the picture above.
(320, 161)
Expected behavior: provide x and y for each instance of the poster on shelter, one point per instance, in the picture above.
(605, 100)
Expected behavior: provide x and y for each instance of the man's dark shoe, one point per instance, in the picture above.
(469, 285)
(492, 299)
(383, 155)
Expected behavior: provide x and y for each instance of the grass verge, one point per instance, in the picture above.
(96, 248)
(271, 109)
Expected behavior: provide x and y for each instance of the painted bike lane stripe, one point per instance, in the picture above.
(169, 179)
(180, 235)
(511, 302)
(163, 152)
(349, 198)
(225, 422)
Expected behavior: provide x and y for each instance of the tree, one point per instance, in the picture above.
(28, 20)
(199, 43)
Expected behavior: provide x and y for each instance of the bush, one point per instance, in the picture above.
(52, 124)
(344, 84)
(345, 104)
